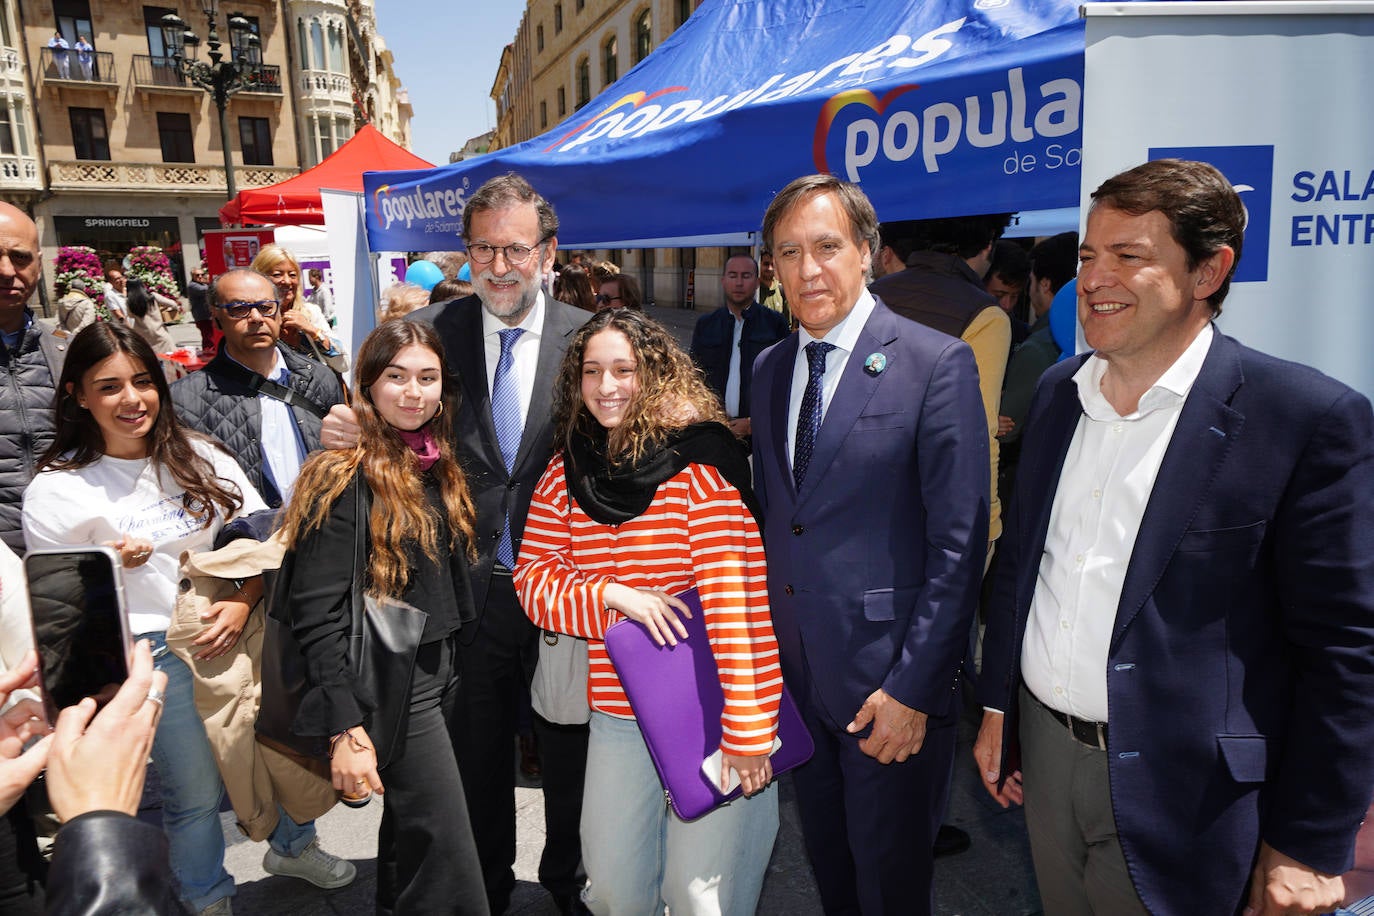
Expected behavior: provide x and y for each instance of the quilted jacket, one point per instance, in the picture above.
(28, 381)
(215, 403)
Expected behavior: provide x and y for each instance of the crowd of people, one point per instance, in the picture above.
(873, 469)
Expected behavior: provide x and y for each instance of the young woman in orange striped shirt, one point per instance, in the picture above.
(648, 497)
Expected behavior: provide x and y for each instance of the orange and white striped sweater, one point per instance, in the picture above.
(697, 532)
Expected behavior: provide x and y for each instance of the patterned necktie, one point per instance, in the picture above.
(809, 419)
(505, 414)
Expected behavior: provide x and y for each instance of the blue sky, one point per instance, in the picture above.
(446, 55)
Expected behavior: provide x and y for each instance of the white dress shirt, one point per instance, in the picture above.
(525, 353)
(1103, 490)
(844, 336)
(732, 374)
(283, 446)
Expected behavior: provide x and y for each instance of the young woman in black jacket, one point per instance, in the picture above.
(419, 538)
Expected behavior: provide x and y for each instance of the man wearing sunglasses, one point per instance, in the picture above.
(260, 398)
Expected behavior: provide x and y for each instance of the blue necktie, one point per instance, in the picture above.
(505, 414)
(809, 419)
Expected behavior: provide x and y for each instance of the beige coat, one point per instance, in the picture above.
(257, 778)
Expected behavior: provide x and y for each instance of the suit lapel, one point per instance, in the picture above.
(779, 403)
(853, 393)
(551, 347)
(472, 350)
(1206, 430)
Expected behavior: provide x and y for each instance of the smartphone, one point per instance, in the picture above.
(80, 626)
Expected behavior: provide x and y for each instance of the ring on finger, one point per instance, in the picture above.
(156, 695)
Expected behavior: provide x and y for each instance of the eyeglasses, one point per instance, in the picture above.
(514, 254)
(602, 298)
(240, 308)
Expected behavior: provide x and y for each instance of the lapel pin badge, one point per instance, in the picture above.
(875, 363)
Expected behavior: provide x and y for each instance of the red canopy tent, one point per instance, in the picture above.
(296, 201)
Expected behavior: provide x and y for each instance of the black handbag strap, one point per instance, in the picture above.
(358, 603)
(260, 384)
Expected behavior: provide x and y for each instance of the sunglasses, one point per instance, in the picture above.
(602, 298)
(241, 308)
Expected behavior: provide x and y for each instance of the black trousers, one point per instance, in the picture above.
(498, 662)
(426, 857)
(20, 894)
(563, 756)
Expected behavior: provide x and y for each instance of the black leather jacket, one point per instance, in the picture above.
(107, 863)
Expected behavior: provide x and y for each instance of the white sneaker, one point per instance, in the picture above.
(221, 907)
(313, 865)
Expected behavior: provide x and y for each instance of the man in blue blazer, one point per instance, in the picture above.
(1180, 648)
(870, 464)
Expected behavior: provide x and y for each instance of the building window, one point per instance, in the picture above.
(255, 141)
(644, 35)
(336, 49)
(174, 130)
(584, 82)
(562, 102)
(610, 65)
(242, 47)
(684, 11)
(557, 18)
(73, 19)
(152, 26)
(317, 44)
(304, 46)
(543, 115)
(7, 120)
(89, 139)
(343, 130)
(539, 37)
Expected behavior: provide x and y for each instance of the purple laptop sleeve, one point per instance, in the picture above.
(676, 696)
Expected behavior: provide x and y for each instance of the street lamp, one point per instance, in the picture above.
(221, 78)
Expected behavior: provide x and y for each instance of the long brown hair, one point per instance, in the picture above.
(400, 514)
(169, 443)
(672, 393)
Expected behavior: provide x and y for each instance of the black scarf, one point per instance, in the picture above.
(614, 495)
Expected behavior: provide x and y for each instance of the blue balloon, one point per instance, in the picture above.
(1064, 319)
(465, 272)
(424, 273)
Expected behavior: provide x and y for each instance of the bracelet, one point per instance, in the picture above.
(354, 744)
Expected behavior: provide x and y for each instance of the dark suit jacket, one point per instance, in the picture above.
(1240, 675)
(714, 338)
(874, 567)
(495, 491)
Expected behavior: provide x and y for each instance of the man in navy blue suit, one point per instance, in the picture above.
(1180, 646)
(870, 464)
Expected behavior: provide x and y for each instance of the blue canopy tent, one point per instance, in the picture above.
(936, 107)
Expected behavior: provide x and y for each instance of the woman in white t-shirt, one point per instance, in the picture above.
(122, 472)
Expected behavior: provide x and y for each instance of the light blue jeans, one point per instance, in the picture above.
(639, 855)
(192, 789)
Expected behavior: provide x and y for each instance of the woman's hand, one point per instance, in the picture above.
(353, 763)
(226, 619)
(654, 609)
(754, 772)
(133, 552)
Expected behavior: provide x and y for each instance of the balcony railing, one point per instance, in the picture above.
(179, 177)
(163, 73)
(19, 171)
(160, 73)
(77, 66)
(322, 84)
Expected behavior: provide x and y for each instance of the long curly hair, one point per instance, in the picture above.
(672, 393)
(79, 442)
(400, 514)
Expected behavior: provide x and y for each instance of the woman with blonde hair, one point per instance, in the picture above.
(648, 497)
(417, 524)
(303, 326)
